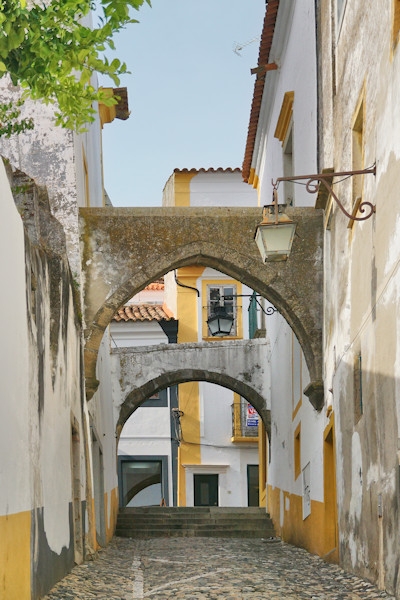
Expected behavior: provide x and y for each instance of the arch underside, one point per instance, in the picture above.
(138, 395)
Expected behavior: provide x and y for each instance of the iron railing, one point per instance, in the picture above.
(244, 423)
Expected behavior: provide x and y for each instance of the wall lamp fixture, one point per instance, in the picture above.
(274, 235)
(270, 310)
(220, 322)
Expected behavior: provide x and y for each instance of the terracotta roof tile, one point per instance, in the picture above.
(210, 170)
(263, 59)
(156, 285)
(143, 312)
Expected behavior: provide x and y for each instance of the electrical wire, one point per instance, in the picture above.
(213, 445)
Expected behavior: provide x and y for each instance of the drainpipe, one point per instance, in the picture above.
(189, 287)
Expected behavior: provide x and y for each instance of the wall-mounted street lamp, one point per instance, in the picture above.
(220, 322)
(274, 235)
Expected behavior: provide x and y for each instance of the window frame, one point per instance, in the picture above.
(340, 9)
(237, 328)
(157, 400)
(395, 23)
(297, 452)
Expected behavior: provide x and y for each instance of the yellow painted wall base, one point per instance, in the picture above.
(15, 556)
(308, 533)
(112, 514)
(263, 461)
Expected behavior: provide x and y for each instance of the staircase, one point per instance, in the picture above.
(162, 521)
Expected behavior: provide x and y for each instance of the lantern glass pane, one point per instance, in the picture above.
(275, 241)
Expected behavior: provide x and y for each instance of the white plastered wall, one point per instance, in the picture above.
(15, 429)
(148, 431)
(294, 51)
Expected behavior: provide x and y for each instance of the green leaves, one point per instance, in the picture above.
(52, 53)
(10, 121)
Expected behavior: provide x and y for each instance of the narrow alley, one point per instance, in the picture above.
(209, 569)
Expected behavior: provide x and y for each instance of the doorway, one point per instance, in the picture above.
(205, 490)
(76, 493)
(331, 539)
(143, 480)
(98, 490)
(253, 486)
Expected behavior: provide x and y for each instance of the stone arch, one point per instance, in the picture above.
(138, 395)
(160, 240)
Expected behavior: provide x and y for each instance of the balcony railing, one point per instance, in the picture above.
(244, 421)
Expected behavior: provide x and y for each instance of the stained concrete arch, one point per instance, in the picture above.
(126, 249)
(139, 395)
(239, 365)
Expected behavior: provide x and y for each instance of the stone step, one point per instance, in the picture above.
(168, 518)
(193, 524)
(213, 521)
(170, 512)
(223, 533)
(191, 509)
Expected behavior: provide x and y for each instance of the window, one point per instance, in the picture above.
(396, 22)
(222, 295)
(357, 147)
(253, 320)
(245, 420)
(357, 389)
(206, 489)
(285, 118)
(159, 399)
(253, 486)
(284, 133)
(288, 170)
(306, 491)
(143, 480)
(340, 7)
(297, 448)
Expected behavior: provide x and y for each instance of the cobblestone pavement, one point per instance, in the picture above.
(209, 569)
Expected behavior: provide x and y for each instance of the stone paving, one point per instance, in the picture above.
(209, 569)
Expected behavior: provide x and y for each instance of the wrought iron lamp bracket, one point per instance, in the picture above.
(313, 182)
(270, 310)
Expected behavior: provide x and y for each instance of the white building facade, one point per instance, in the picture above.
(218, 453)
(148, 442)
(282, 142)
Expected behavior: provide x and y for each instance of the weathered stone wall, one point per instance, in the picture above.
(360, 75)
(241, 365)
(41, 360)
(123, 250)
(67, 164)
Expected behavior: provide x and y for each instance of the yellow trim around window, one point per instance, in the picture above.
(239, 306)
(237, 423)
(285, 117)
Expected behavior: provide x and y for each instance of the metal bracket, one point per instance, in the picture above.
(314, 181)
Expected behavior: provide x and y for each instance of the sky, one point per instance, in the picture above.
(189, 94)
